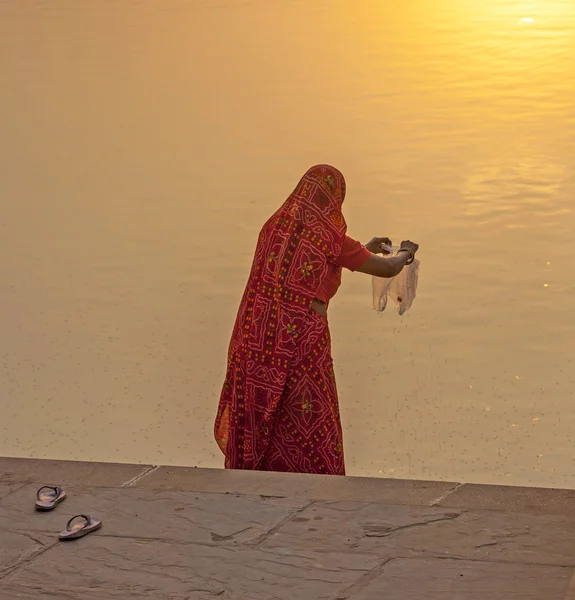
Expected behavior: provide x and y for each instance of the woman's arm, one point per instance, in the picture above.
(390, 266)
(385, 266)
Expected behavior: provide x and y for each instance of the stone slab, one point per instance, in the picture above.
(168, 515)
(436, 579)
(539, 501)
(107, 568)
(67, 472)
(314, 487)
(439, 532)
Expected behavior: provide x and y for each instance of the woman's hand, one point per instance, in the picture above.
(409, 246)
(376, 246)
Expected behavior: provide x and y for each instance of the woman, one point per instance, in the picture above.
(278, 409)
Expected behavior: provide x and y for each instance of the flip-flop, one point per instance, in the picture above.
(80, 529)
(47, 500)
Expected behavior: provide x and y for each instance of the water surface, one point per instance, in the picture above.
(143, 144)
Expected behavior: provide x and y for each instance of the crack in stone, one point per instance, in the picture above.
(498, 560)
(441, 498)
(59, 593)
(166, 541)
(513, 535)
(503, 538)
(285, 561)
(224, 538)
(5, 573)
(345, 506)
(364, 581)
(27, 535)
(486, 545)
(266, 535)
(184, 517)
(147, 471)
(391, 530)
(18, 487)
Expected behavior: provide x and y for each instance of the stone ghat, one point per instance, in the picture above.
(179, 533)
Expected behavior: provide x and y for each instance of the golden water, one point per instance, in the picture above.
(144, 142)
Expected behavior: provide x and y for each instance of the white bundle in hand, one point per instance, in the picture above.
(401, 289)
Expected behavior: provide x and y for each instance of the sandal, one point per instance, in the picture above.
(81, 529)
(49, 500)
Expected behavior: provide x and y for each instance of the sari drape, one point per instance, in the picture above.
(278, 406)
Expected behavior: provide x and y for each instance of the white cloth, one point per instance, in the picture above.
(401, 289)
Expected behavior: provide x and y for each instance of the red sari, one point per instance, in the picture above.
(278, 409)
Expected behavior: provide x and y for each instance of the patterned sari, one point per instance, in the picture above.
(278, 408)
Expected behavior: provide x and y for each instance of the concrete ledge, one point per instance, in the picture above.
(537, 501)
(74, 473)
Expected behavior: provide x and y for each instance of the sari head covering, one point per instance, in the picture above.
(292, 255)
